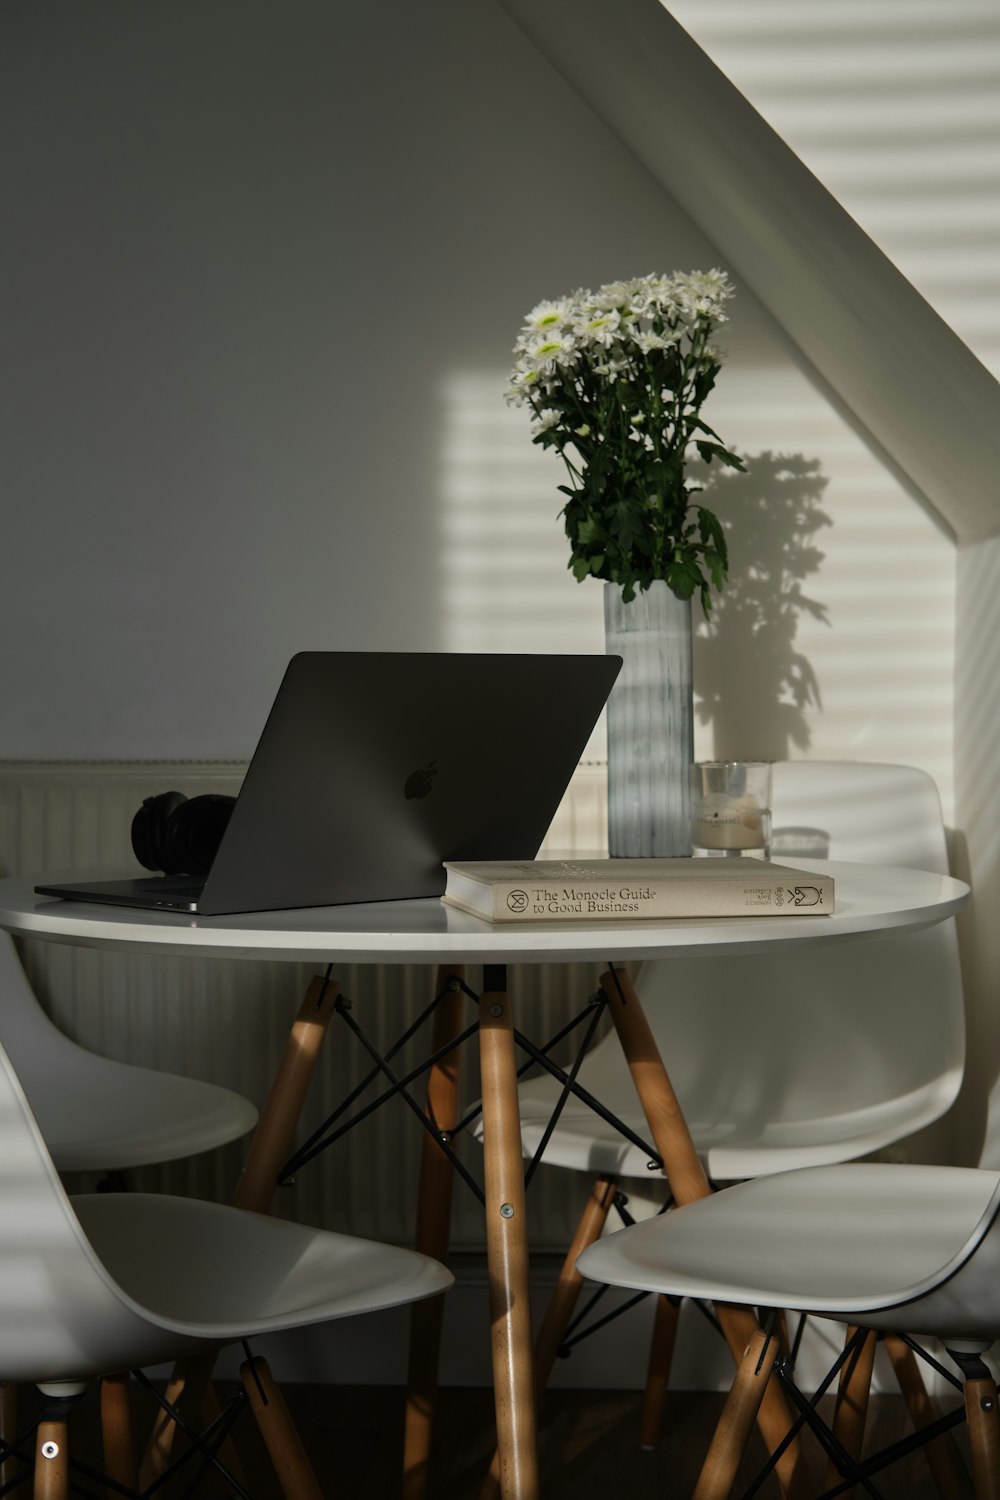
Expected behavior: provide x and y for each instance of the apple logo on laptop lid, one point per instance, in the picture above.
(420, 782)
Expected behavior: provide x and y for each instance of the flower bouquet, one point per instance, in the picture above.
(615, 381)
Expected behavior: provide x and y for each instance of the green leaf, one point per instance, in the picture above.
(683, 578)
(623, 524)
(710, 529)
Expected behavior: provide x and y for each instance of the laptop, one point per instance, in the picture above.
(374, 767)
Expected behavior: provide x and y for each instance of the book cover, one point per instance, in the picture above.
(555, 890)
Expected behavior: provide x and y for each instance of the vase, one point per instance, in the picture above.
(650, 723)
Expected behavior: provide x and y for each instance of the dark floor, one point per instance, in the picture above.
(588, 1442)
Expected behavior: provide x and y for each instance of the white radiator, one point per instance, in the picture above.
(228, 1020)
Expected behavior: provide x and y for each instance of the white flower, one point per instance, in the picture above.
(543, 422)
(600, 356)
(628, 297)
(702, 294)
(553, 349)
(610, 369)
(521, 383)
(549, 316)
(647, 342)
(649, 293)
(597, 325)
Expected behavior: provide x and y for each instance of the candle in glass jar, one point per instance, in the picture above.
(723, 822)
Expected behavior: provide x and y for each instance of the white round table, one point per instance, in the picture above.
(869, 900)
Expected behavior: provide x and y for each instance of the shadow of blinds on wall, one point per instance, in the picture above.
(506, 585)
(896, 109)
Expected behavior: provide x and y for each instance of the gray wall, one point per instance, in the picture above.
(247, 247)
(263, 266)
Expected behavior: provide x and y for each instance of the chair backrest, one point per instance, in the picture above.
(855, 810)
(61, 1317)
(25, 1030)
(795, 1057)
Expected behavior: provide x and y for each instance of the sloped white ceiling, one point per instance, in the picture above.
(909, 380)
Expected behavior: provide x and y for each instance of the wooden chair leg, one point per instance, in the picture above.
(432, 1238)
(268, 1151)
(8, 1426)
(688, 1183)
(189, 1390)
(284, 1446)
(116, 1432)
(941, 1453)
(51, 1461)
(507, 1250)
(661, 1357)
(209, 1412)
(983, 1419)
(567, 1288)
(660, 1105)
(279, 1118)
(185, 1390)
(851, 1409)
(730, 1438)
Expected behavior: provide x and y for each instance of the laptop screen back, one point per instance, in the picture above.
(374, 767)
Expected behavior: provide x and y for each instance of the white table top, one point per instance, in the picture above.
(870, 899)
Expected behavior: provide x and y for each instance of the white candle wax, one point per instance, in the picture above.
(722, 822)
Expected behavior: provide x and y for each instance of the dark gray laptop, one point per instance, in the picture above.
(373, 767)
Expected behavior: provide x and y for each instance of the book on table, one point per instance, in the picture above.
(561, 890)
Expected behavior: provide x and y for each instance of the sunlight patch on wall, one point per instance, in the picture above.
(505, 583)
(896, 109)
(504, 553)
(834, 638)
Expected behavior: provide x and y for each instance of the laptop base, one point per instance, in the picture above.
(154, 892)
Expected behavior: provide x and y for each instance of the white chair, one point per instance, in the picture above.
(97, 1114)
(109, 1282)
(780, 1059)
(100, 1115)
(901, 1249)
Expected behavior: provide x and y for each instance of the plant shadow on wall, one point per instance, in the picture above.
(752, 685)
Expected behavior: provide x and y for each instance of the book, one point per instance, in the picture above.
(627, 890)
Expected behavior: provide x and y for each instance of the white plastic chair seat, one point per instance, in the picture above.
(906, 1248)
(153, 1278)
(98, 1114)
(730, 1148)
(187, 1274)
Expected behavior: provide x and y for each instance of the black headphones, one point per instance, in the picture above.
(180, 836)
